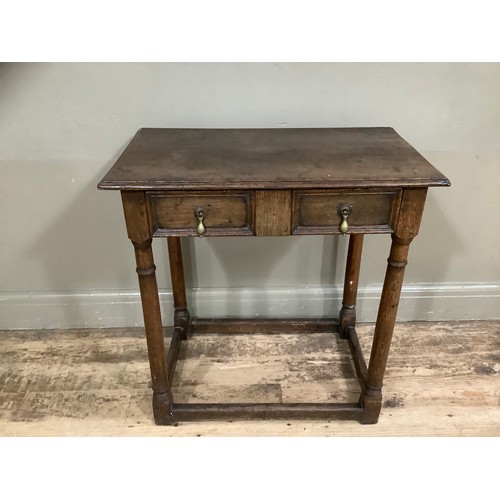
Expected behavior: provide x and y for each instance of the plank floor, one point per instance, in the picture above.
(443, 379)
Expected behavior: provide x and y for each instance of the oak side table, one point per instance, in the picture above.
(178, 183)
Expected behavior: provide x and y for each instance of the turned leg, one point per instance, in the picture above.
(138, 230)
(386, 319)
(181, 313)
(162, 397)
(347, 316)
(408, 224)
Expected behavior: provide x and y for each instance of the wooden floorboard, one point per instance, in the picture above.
(442, 379)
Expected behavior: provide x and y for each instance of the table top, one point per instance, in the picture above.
(278, 158)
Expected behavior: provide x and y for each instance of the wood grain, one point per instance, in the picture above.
(136, 215)
(347, 315)
(270, 159)
(182, 317)
(137, 226)
(227, 213)
(443, 379)
(317, 212)
(412, 207)
(273, 212)
(168, 179)
(264, 325)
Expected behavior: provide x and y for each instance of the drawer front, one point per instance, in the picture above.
(318, 212)
(225, 213)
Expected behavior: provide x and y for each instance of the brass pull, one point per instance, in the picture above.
(200, 228)
(344, 211)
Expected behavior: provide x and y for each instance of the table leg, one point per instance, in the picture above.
(407, 228)
(182, 318)
(347, 316)
(162, 396)
(135, 209)
(386, 319)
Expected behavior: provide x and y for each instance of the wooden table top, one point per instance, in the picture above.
(278, 158)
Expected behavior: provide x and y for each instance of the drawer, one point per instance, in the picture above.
(222, 213)
(318, 211)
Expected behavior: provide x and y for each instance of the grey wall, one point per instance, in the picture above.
(64, 256)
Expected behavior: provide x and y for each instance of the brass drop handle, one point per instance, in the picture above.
(344, 211)
(200, 228)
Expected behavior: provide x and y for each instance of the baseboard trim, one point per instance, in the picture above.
(122, 308)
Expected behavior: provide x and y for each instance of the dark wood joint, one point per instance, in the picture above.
(410, 214)
(162, 408)
(371, 400)
(135, 209)
(182, 319)
(347, 319)
(142, 245)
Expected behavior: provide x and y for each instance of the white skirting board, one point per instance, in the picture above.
(122, 308)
